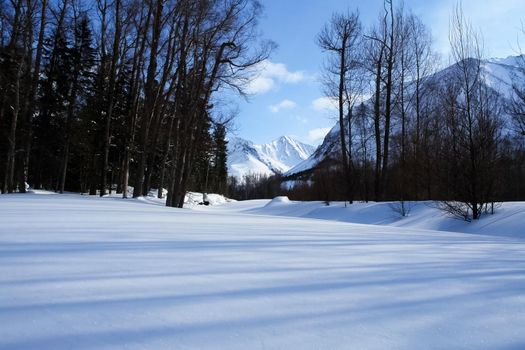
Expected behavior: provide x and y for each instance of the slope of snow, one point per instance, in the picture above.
(278, 156)
(330, 147)
(103, 273)
(508, 220)
(502, 73)
(243, 159)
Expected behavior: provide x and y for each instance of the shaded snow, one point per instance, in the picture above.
(502, 73)
(80, 272)
(279, 201)
(508, 220)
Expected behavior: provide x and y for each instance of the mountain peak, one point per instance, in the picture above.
(276, 157)
(286, 138)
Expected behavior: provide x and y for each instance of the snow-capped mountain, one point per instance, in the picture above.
(276, 157)
(497, 73)
(330, 147)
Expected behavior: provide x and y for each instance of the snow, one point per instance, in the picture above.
(249, 165)
(191, 199)
(195, 198)
(508, 220)
(284, 153)
(278, 156)
(502, 73)
(330, 147)
(278, 201)
(80, 272)
(306, 164)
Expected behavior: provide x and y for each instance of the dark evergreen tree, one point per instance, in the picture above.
(81, 60)
(202, 168)
(65, 88)
(220, 159)
(52, 107)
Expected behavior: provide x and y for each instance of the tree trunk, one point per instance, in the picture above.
(388, 98)
(11, 139)
(150, 101)
(111, 92)
(32, 98)
(377, 130)
(15, 106)
(341, 90)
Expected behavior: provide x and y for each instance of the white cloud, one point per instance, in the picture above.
(284, 104)
(281, 73)
(268, 75)
(324, 103)
(317, 135)
(260, 85)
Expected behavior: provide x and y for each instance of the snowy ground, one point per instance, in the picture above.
(508, 220)
(89, 273)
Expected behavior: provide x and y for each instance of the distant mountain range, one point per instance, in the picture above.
(276, 157)
(497, 73)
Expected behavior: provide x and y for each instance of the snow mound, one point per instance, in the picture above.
(280, 200)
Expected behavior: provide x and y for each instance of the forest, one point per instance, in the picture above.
(104, 95)
(113, 95)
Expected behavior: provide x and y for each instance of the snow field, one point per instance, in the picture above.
(104, 273)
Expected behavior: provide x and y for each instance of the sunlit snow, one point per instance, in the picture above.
(80, 272)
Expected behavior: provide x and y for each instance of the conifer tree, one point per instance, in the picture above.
(220, 159)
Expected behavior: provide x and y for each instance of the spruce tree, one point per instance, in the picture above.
(220, 169)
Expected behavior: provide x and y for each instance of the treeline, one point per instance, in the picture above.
(421, 134)
(121, 92)
(255, 186)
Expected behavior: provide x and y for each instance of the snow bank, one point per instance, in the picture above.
(509, 219)
(191, 199)
(198, 198)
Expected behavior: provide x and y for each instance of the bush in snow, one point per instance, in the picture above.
(402, 208)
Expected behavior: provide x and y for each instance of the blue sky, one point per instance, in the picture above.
(287, 98)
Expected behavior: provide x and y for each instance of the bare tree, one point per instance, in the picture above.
(113, 71)
(141, 22)
(424, 64)
(31, 99)
(473, 122)
(375, 56)
(341, 39)
(16, 54)
(383, 54)
(150, 94)
(219, 57)
(412, 68)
